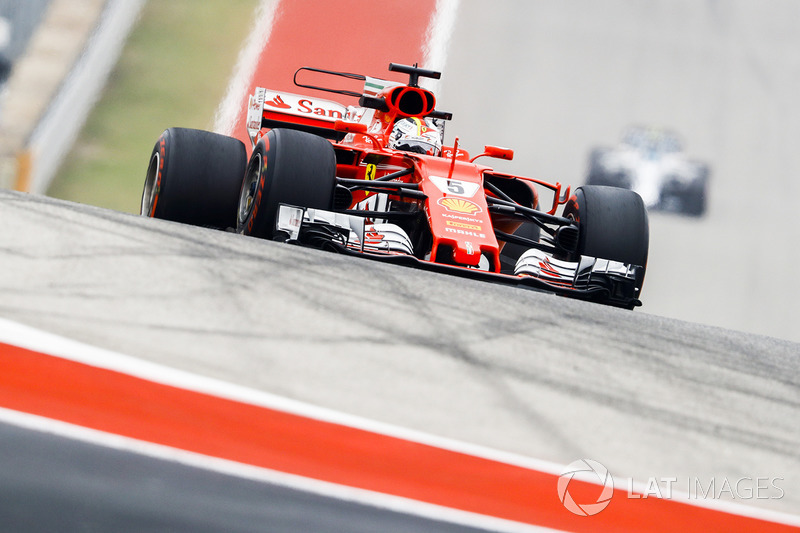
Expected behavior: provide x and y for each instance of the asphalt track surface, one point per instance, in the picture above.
(511, 369)
(507, 368)
(553, 79)
(50, 483)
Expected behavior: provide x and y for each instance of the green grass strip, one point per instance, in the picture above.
(173, 71)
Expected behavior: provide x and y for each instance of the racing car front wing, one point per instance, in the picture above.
(590, 278)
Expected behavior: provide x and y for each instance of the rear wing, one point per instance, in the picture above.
(278, 109)
(273, 109)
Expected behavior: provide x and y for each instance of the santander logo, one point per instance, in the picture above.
(300, 105)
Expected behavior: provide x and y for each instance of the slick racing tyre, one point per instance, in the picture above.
(194, 177)
(286, 167)
(612, 224)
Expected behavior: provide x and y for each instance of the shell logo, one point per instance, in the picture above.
(459, 205)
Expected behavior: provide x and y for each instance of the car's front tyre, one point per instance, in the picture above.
(612, 224)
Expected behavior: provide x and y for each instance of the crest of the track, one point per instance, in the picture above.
(555, 79)
(508, 368)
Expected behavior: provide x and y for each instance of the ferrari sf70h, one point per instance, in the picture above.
(375, 179)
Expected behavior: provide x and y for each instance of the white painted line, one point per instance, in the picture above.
(43, 342)
(437, 39)
(234, 102)
(36, 340)
(60, 125)
(241, 470)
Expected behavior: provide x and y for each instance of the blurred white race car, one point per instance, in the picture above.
(651, 162)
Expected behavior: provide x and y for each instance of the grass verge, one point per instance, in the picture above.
(173, 71)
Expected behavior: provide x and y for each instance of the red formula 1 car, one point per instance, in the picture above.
(375, 180)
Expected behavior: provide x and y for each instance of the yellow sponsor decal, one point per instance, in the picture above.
(463, 225)
(459, 205)
(370, 175)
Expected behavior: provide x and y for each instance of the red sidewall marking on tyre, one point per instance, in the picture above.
(162, 153)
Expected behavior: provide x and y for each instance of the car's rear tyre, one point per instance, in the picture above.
(194, 177)
(612, 223)
(286, 167)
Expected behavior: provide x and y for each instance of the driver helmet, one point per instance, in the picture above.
(416, 135)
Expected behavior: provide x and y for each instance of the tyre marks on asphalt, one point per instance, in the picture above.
(145, 402)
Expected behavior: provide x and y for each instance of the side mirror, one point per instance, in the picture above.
(350, 127)
(498, 153)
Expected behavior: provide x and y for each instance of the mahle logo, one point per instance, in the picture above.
(582, 504)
